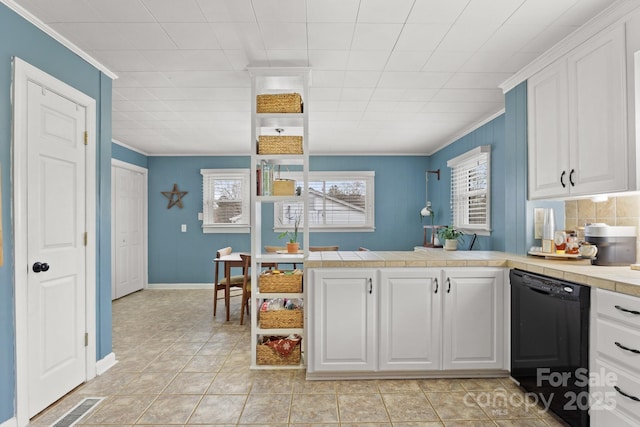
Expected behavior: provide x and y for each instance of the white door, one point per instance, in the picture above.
(474, 327)
(342, 319)
(548, 114)
(56, 246)
(597, 97)
(410, 319)
(128, 228)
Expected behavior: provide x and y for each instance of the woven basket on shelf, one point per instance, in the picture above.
(266, 355)
(277, 144)
(279, 103)
(285, 283)
(278, 319)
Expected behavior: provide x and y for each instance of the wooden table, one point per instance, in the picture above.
(229, 261)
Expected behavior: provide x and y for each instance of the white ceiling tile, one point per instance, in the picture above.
(165, 116)
(142, 116)
(325, 94)
(407, 60)
(490, 62)
(332, 10)
(331, 36)
(367, 59)
(280, 10)
(208, 78)
(466, 38)
(384, 11)
(356, 94)
(328, 59)
(413, 80)
(375, 36)
(227, 10)
(152, 105)
(125, 106)
(381, 94)
(410, 106)
(416, 37)
(122, 60)
(540, 12)
(476, 80)
(386, 106)
(324, 106)
(547, 38)
(361, 78)
(62, 10)
(582, 11)
(286, 58)
(461, 107)
(95, 36)
(469, 95)
(352, 106)
(511, 38)
(420, 94)
(175, 11)
(447, 61)
(192, 35)
(142, 79)
(187, 60)
(328, 78)
(492, 13)
(118, 10)
(436, 11)
(284, 35)
(135, 93)
(144, 35)
(239, 59)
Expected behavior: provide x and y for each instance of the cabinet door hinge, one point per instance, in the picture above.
(86, 339)
(86, 238)
(86, 138)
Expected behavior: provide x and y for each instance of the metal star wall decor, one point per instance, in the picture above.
(177, 200)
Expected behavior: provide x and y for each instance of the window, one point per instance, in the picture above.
(470, 190)
(338, 201)
(225, 201)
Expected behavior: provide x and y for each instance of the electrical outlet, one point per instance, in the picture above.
(183, 228)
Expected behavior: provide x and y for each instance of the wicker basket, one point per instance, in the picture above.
(278, 319)
(270, 283)
(274, 144)
(266, 355)
(283, 187)
(279, 103)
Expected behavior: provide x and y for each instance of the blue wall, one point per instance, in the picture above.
(19, 38)
(176, 257)
(124, 154)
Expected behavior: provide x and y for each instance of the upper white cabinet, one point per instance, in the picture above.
(577, 121)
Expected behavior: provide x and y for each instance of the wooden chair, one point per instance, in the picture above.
(362, 249)
(234, 281)
(322, 248)
(246, 285)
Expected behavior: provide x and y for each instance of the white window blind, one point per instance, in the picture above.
(338, 201)
(225, 200)
(470, 190)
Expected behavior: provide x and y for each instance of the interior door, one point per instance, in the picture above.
(56, 246)
(128, 207)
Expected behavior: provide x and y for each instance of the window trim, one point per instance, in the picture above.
(370, 205)
(485, 229)
(245, 175)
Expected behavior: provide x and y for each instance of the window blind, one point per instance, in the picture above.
(470, 189)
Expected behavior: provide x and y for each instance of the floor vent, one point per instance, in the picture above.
(80, 410)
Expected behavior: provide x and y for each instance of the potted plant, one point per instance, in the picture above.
(292, 245)
(451, 237)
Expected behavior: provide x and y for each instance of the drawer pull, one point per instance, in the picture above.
(637, 313)
(628, 396)
(436, 280)
(449, 285)
(632, 350)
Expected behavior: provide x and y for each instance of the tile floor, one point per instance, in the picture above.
(179, 366)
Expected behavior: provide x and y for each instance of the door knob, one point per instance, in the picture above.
(40, 266)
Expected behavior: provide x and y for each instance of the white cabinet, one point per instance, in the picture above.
(342, 318)
(615, 359)
(409, 319)
(273, 81)
(577, 121)
(474, 319)
(406, 320)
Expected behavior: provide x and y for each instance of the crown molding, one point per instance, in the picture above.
(128, 147)
(614, 14)
(32, 19)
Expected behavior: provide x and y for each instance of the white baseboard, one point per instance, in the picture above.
(104, 364)
(11, 422)
(179, 286)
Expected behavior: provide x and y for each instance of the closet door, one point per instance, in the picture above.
(129, 207)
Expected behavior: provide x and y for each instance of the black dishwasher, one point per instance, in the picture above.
(550, 343)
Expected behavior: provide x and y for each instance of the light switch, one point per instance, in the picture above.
(183, 228)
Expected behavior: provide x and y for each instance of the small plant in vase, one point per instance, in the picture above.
(451, 237)
(292, 245)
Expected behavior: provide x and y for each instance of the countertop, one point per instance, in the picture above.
(617, 279)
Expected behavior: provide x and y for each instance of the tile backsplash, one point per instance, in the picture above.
(615, 211)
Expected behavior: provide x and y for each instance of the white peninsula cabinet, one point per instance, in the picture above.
(395, 322)
(577, 121)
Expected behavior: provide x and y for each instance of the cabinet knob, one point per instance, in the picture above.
(573, 184)
(448, 285)
(562, 179)
(370, 285)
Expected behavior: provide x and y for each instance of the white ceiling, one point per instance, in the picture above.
(388, 76)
